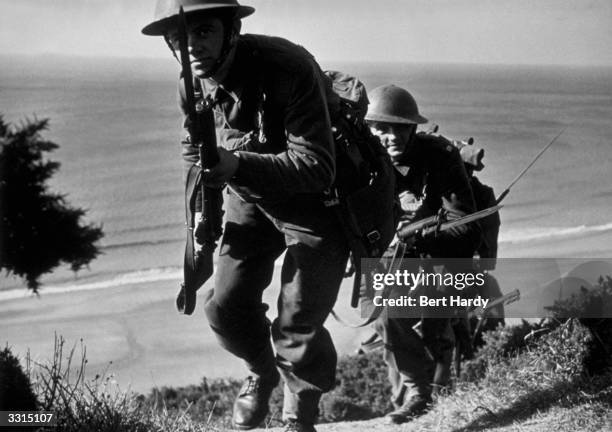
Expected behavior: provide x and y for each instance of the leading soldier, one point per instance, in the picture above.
(430, 168)
(277, 156)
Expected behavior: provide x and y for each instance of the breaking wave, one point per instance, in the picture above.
(176, 273)
(129, 278)
(530, 234)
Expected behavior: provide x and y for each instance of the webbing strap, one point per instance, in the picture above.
(398, 254)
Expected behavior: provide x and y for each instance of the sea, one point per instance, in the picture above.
(118, 127)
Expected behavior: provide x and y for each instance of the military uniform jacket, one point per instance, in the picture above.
(433, 170)
(273, 111)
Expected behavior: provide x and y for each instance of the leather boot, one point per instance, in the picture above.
(297, 426)
(413, 407)
(251, 406)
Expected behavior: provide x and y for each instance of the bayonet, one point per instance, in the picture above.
(518, 177)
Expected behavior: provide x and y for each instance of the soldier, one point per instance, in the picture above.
(277, 156)
(484, 197)
(429, 167)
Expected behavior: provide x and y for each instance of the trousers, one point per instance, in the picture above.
(417, 358)
(312, 270)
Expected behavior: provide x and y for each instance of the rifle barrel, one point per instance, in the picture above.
(186, 64)
(518, 177)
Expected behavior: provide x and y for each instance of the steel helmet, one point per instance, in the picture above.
(167, 10)
(393, 104)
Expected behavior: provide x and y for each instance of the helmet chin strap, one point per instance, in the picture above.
(228, 42)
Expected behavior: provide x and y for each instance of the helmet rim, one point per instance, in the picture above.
(160, 25)
(393, 104)
(386, 118)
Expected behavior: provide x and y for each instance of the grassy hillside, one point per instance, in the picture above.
(553, 375)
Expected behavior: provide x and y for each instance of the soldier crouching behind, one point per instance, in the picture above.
(277, 155)
(429, 167)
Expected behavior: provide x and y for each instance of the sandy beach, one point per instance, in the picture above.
(136, 327)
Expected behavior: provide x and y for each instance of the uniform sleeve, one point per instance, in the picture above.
(449, 188)
(307, 164)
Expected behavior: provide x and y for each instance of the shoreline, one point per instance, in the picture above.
(129, 324)
(131, 331)
(580, 242)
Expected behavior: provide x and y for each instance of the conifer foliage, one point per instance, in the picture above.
(39, 230)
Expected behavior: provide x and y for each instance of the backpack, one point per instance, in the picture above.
(363, 192)
(484, 197)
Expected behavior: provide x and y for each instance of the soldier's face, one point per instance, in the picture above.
(396, 137)
(205, 43)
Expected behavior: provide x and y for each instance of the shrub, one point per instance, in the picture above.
(38, 229)
(16, 392)
(501, 343)
(362, 390)
(511, 341)
(591, 307)
(588, 304)
(530, 389)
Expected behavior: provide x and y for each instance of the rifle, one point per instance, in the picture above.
(518, 177)
(435, 224)
(427, 226)
(198, 263)
(483, 313)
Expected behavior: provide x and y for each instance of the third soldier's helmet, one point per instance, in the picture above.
(167, 10)
(393, 104)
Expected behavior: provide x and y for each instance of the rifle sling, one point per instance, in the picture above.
(186, 297)
(400, 249)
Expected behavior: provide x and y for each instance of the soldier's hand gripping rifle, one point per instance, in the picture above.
(406, 234)
(434, 224)
(198, 263)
